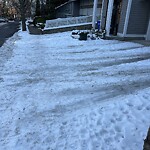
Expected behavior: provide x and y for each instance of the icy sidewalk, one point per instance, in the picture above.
(59, 93)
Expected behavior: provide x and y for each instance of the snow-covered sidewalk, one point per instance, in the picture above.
(3, 23)
(58, 93)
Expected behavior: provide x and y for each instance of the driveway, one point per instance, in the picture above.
(60, 93)
(7, 30)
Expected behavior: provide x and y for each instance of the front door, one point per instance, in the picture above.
(115, 17)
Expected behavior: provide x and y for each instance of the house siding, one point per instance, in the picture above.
(139, 17)
(70, 9)
(86, 7)
(123, 16)
(64, 11)
(76, 9)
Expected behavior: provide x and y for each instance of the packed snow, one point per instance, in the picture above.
(68, 22)
(59, 93)
(2, 23)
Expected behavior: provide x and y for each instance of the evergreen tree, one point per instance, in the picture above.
(38, 8)
(42, 8)
(47, 7)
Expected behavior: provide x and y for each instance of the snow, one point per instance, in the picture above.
(2, 23)
(67, 26)
(68, 22)
(59, 93)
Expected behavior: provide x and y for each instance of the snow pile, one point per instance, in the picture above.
(60, 93)
(65, 22)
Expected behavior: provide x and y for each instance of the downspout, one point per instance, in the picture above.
(94, 14)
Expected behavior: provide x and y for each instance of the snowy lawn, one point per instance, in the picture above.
(58, 93)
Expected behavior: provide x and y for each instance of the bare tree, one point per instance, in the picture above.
(4, 8)
(23, 7)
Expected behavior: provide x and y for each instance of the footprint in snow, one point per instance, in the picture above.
(112, 120)
(148, 107)
(112, 132)
(64, 123)
(60, 145)
(117, 129)
(99, 122)
(95, 145)
(108, 140)
(1, 80)
(146, 96)
(84, 145)
(118, 137)
(83, 134)
(119, 118)
(140, 107)
(125, 112)
(93, 116)
(115, 115)
(103, 132)
(100, 111)
(98, 135)
(129, 104)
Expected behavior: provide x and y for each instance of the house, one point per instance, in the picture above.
(86, 7)
(126, 18)
(68, 9)
(74, 8)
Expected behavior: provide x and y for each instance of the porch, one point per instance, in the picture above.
(121, 19)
